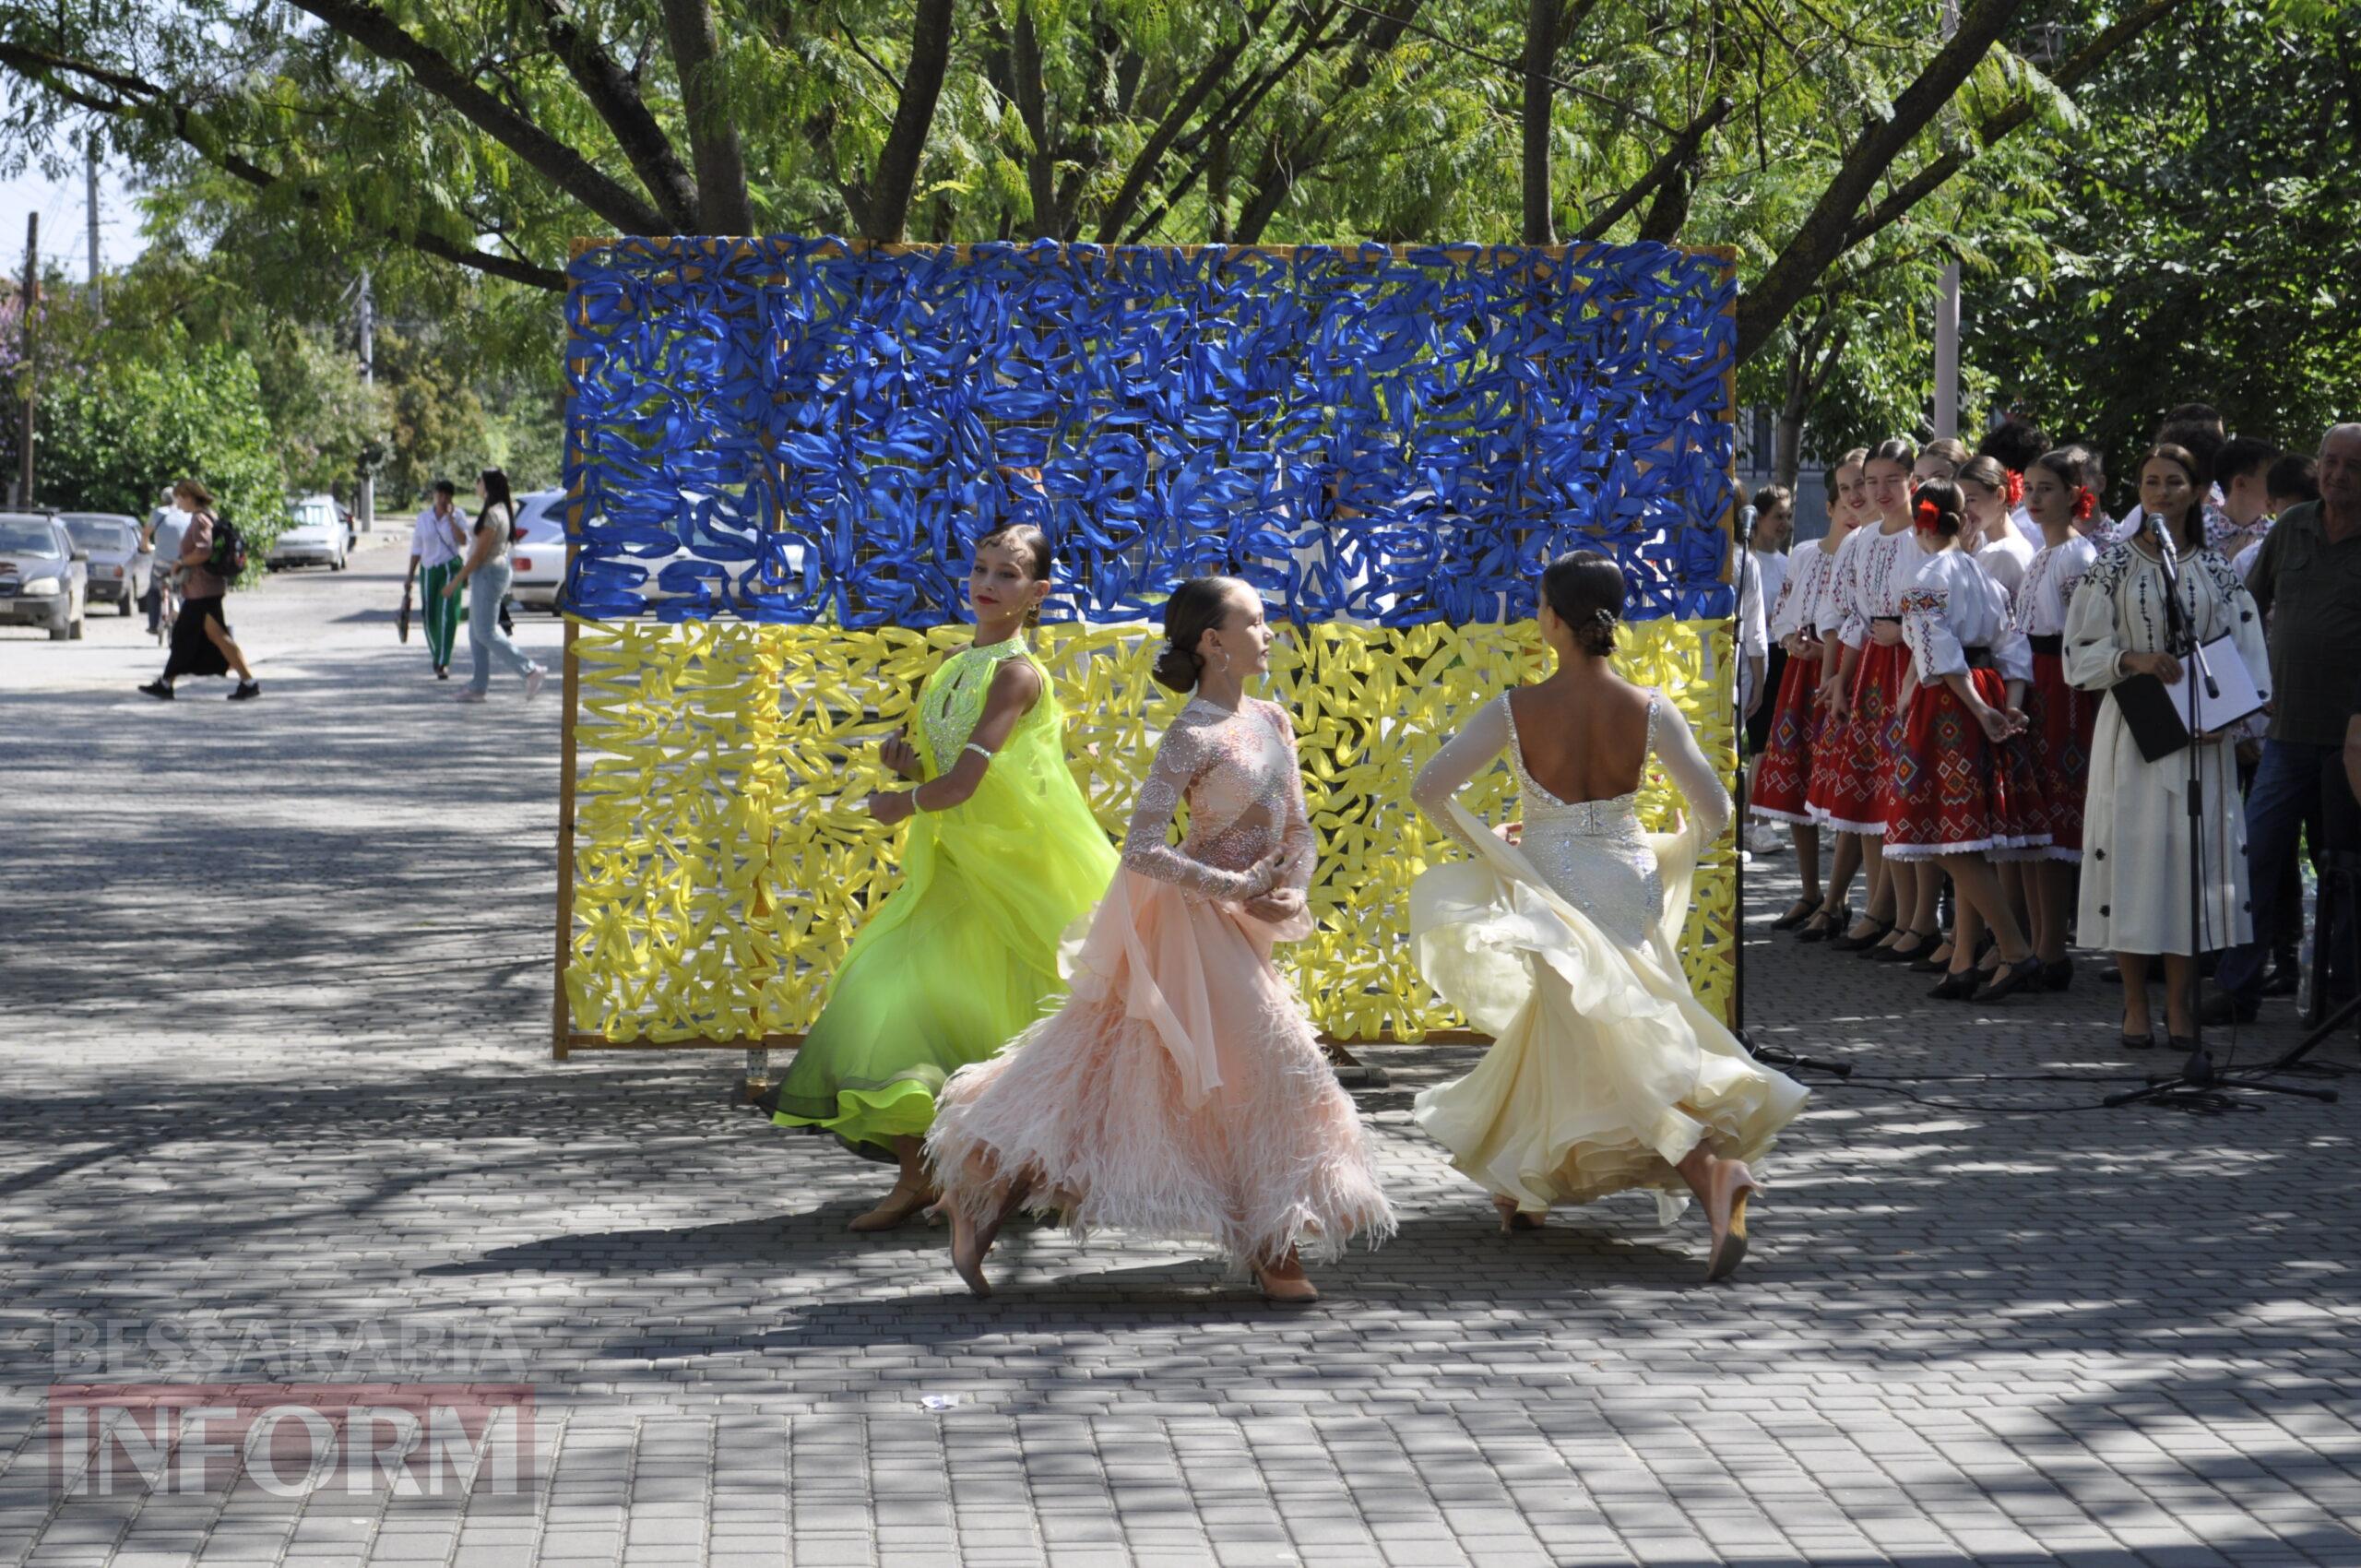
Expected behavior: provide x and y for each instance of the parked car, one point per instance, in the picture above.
(316, 535)
(118, 567)
(45, 575)
(538, 556)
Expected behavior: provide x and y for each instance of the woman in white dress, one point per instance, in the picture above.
(2135, 822)
(1605, 1071)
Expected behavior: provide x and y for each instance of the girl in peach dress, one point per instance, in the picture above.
(1179, 1091)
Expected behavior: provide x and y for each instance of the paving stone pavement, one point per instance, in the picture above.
(274, 1003)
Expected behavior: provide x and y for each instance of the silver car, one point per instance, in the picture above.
(316, 535)
(45, 575)
(118, 566)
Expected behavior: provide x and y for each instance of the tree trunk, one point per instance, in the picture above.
(723, 205)
(1540, 52)
(886, 204)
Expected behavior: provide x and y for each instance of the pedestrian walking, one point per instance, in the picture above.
(438, 544)
(485, 575)
(201, 641)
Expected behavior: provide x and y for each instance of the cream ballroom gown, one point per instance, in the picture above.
(1604, 1071)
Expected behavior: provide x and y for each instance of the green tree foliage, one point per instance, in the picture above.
(487, 134)
(2203, 241)
(114, 434)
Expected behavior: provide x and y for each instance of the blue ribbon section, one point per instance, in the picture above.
(790, 430)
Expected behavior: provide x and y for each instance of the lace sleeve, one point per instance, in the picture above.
(1147, 842)
(1676, 746)
(1297, 842)
(1463, 756)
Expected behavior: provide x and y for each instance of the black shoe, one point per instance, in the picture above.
(1922, 943)
(247, 691)
(1849, 944)
(442, 671)
(2130, 1041)
(2285, 978)
(2111, 975)
(2059, 976)
(160, 690)
(2012, 978)
(1957, 985)
(1798, 913)
(1826, 924)
(2223, 1008)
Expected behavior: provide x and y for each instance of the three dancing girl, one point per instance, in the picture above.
(1173, 1086)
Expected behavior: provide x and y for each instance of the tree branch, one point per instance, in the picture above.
(2079, 66)
(1683, 148)
(1176, 118)
(146, 100)
(1274, 180)
(884, 204)
(616, 98)
(368, 25)
(1820, 239)
(724, 208)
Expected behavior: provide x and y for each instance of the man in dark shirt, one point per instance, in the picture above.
(2307, 580)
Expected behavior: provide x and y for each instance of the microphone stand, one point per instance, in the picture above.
(2197, 1075)
(1768, 1055)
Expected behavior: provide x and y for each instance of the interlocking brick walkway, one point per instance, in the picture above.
(1976, 1327)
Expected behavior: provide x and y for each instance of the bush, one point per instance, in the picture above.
(114, 434)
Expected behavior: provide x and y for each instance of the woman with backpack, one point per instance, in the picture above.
(210, 558)
(485, 575)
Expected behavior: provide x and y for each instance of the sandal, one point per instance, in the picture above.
(2012, 978)
(1897, 953)
(1513, 1219)
(1798, 913)
(1729, 1229)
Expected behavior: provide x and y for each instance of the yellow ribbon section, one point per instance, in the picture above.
(722, 863)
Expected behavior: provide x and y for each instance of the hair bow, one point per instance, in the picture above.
(1930, 518)
(2085, 504)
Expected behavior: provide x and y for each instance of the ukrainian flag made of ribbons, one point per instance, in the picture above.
(784, 449)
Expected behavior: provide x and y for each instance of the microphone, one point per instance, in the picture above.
(1746, 525)
(2154, 523)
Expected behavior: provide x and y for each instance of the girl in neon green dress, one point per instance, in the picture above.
(1003, 855)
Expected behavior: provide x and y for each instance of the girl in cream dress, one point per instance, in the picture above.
(1605, 1071)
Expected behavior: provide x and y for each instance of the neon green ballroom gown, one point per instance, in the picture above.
(963, 956)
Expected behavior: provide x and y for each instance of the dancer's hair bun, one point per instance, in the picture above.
(1177, 668)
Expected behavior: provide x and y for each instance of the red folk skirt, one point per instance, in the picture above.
(2061, 720)
(1782, 779)
(1853, 765)
(1955, 791)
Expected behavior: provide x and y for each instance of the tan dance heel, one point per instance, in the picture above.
(1513, 1219)
(1729, 1229)
(900, 1203)
(1286, 1291)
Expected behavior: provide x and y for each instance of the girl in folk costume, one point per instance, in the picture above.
(2135, 819)
(1864, 666)
(1798, 717)
(1179, 1091)
(1002, 854)
(1605, 1073)
(1994, 544)
(2060, 717)
(1963, 791)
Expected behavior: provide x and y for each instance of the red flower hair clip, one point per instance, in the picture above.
(2085, 504)
(2016, 489)
(1930, 518)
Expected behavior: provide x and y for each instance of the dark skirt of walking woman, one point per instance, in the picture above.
(193, 652)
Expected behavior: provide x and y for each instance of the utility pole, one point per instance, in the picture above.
(1947, 311)
(368, 507)
(28, 303)
(90, 185)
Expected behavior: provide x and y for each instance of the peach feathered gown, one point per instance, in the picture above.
(1179, 1091)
